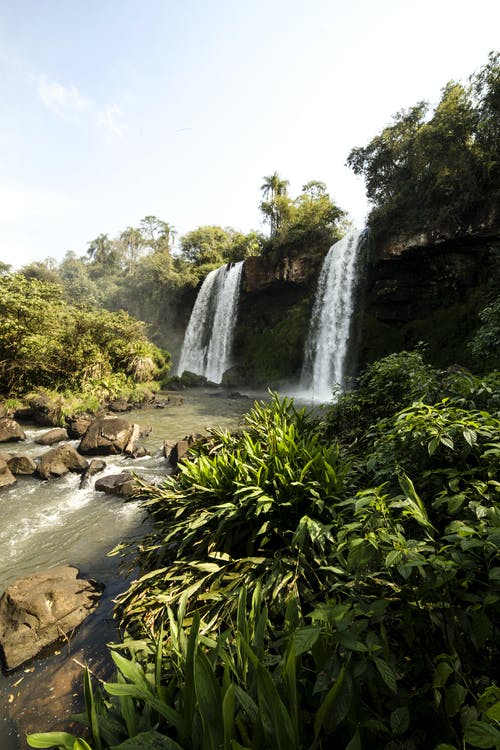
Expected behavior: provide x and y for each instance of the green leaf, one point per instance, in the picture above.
(151, 740)
(276, 720)
(494, 574)
(90, 708)
(387, 673)
(441, 674)
(51, 739)
(400, 720)
(80, 744)
(453, 699)
(483, 735)
(355, 742)
(444, 746)
(493, 712)
(208, 695)
(305, 638)
(329, 701)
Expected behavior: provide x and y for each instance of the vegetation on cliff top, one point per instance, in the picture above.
(438, 171)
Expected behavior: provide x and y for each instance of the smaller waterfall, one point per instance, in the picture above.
(327, 343)
(209, 336)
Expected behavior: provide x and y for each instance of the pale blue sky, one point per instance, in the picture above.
(115, 109)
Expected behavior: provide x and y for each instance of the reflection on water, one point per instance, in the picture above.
(54, 522)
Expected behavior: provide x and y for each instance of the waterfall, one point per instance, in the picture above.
(209, 336)
(328, 339)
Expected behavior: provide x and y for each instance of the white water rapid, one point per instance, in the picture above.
(209, 336)
(328, 339)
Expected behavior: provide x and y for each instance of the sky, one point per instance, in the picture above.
(111, 110)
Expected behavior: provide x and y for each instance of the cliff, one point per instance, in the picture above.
(425, 288)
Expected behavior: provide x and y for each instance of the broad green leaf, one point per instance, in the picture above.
(51, 739)
(276, 720)
(453, 698)
(355, 742)
(91, 709)
(494, 574)
(483, 735)
(493, 712)
(387, 673)
(80, 744)
(441, 674)
(305, 638)
(400, 720)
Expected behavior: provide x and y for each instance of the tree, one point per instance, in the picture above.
(275, 204)
(206, 245)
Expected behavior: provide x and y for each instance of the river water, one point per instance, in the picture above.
(54, 522)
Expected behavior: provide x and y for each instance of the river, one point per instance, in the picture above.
(48, 523)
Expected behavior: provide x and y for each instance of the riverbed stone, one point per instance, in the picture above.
(6, 476)
(58, 461)
(78, 425)
(106, 435)
(123, 484)
(95, 467)
(57, 435)
(20, 464)
(42, 608)
(10, 430)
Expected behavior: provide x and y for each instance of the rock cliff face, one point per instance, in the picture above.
(424, 288)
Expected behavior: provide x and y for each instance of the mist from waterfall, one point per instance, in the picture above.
(208, 340)
(328, 339)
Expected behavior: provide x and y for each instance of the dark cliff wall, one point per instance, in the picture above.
(423, 288)
(276, 298)
(427, 289)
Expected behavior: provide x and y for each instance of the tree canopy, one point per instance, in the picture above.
(439, 170)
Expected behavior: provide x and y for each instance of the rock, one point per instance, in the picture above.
(176, 450)
(95, 467)
(6, 476)
(119, 405)
(3, 411)
(234, 377)
(57, 435)
(123, 485)
(38, 610)
(106, 435)
(45, 411)
(174, 383)
(21, 464)
(134, 437)
(59, 461)
(78, 426)
(192, 380)
(168, 446)
(10, 430)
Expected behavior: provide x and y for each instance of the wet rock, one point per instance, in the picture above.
(119, 405)
(134, 437)
(234, 377)
(10, 430)
(123, 485)
(40, 609)
(6, 476)
(95, 467)
(78, 426)
(60, 460)
(21, 464)
(106, 435)
(57, 435)
(45, 411)
(192, 380)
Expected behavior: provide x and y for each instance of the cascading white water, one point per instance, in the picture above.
(327, 343)
(206, 349)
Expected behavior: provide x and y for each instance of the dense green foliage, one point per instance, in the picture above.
(440, 172)
(322, 581)
(47, 343)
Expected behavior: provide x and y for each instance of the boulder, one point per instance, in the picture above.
(119, 405)
(95, 467)
(78, 426)
(10, 430)
(45, 411)
(38, 610)
(60, 460)
(192, 380)
(175, 450)
(6, 476)
(134, 437)
(57, 435)
(106, 435)
(123, 485)
(21, 464)
(234, 377)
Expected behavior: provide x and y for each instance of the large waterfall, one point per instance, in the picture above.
(328, 339)
(209, 336)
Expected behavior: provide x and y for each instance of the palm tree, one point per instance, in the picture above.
(272, 188)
